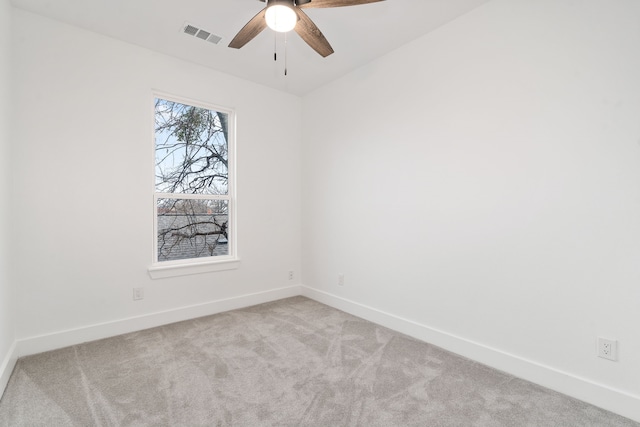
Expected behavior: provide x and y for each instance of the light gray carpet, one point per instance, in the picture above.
(293, 362)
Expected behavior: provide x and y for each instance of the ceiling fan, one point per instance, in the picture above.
(287, 15)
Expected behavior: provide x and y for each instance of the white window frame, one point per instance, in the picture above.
(163, 269)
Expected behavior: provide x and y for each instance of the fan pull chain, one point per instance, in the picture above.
(275, 50)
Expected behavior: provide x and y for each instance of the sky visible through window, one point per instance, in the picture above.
(191, 149)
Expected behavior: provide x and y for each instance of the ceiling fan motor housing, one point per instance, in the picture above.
(287, 2)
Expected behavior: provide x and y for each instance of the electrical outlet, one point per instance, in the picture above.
(138, 294)
(290, 274)
(607, 349)
(340, 279)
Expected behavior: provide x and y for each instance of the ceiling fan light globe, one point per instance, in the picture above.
(281, 18)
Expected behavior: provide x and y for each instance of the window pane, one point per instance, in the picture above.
(189, 228)
(191, 149)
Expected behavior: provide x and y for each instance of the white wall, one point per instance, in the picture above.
(83, 182)
(483, 184)
(7, 327)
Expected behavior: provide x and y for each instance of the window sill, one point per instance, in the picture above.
(164, 271)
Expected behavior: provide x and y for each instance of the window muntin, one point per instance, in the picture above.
(193, 182)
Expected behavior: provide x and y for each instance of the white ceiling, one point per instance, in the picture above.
(358, 34)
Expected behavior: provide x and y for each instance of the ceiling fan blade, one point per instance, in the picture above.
(250, 30)
(334, 3)
(311, 34)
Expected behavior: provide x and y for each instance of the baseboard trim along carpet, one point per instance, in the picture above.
(7, 366)
(60, 339)
(290, 362)
(613, 400)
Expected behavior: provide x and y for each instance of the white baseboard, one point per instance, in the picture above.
(60, 339)
(611, 399)
(6, 368)
(600, 395)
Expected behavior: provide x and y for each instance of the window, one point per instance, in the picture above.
(193, 200)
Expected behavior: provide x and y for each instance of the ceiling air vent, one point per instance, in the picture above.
(192, 30)
(202, 34)
(214, 39)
